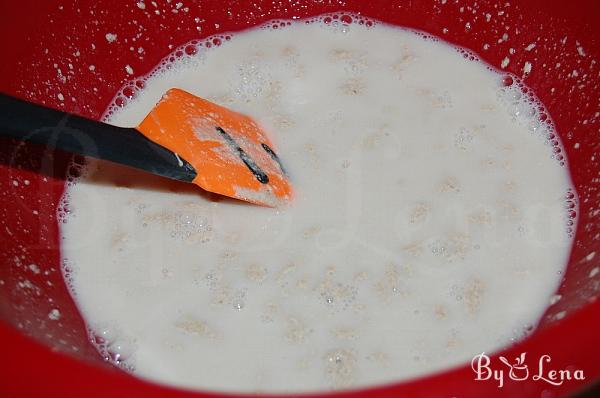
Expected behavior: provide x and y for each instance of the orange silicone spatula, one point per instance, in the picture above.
(184, 137)
(230, 152)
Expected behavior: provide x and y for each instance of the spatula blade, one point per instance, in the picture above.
(232, 155)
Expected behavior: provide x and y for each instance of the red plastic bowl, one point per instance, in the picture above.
(48, 48)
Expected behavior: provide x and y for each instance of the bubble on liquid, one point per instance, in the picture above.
(253, 79)
(68, 270)
(129, 92)
(463, 140)
(239, 299)
(438, 247)
(192, 227)
(338, 296)
(340, 366)
(571, 205)
(76, 170)
(456, 292)
(113, 346)
(526, 110)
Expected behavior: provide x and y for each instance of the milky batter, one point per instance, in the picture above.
(429, 222)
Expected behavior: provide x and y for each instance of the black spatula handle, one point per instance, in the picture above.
(44, 126)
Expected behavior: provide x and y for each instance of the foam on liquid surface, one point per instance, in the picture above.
(429, 223)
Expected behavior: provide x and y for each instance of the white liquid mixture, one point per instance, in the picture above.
(428, 224)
